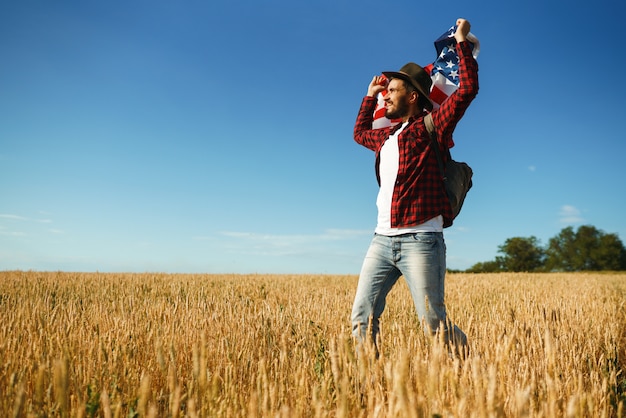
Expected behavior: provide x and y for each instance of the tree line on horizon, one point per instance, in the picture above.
(586, 249)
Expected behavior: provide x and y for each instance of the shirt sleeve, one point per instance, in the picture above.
(363, 132)
(453, 108)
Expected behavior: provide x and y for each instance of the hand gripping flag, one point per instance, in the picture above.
(444, 72)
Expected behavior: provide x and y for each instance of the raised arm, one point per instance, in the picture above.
(453, 108)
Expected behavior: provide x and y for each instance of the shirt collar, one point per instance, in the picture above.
(410, 121)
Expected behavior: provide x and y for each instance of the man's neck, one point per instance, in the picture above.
(413, 111)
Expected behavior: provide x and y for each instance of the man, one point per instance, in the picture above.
(412, 205)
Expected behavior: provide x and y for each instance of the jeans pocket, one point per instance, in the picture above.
(426, 238)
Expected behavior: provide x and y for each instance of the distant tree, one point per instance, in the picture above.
(485, 267)
(611, 255)
(561, 251)
(586, 249)
(521, 254)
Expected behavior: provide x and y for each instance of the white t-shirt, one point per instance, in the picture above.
(388, 170)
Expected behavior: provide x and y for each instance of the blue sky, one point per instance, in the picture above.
(192, 136)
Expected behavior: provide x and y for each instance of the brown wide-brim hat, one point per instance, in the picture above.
(418, 77)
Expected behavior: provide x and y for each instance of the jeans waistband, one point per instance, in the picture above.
(410, 234)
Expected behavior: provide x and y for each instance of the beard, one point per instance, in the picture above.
(400, 111)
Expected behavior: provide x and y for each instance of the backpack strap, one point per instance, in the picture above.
(432, 132)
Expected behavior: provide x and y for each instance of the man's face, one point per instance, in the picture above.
(396, 100)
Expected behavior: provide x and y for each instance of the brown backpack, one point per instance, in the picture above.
(457, 176)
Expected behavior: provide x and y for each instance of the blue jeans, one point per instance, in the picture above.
(421, 259)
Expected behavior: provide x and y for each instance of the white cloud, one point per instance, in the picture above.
(12, 217)
(288, 239)
(10, 221)
(346, 233)
(329, 250)
(22, 218)
(12, 233)
(532, 168)
(570, 215)
(329, 242)
(202, 238)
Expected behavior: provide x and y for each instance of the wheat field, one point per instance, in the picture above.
(174, 345)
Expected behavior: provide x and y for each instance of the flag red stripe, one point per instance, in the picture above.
(437, 96)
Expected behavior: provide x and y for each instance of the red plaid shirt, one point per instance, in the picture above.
(418, 194)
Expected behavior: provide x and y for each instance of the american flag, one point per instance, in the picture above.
(444, 72)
